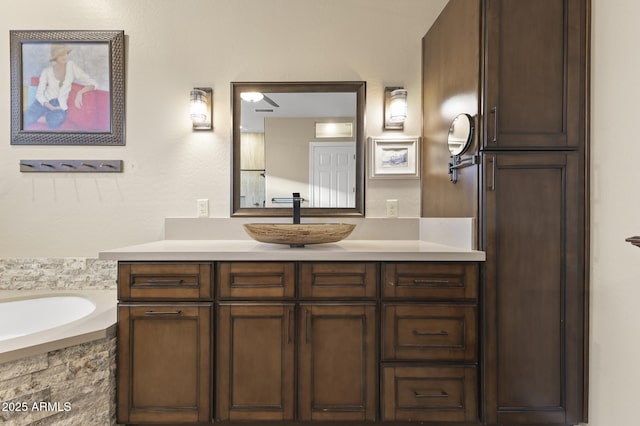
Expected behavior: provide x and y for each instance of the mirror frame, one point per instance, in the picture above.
(470, 133)
(357, 87)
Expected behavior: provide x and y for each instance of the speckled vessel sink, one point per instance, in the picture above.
(298, 235)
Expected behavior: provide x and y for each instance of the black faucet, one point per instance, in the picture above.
(296, 207)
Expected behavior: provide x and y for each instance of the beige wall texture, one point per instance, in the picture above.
(615, 213)
(174, 45)
(171, 47)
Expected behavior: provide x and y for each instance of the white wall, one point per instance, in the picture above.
(168, 166)
(172, 46)
(615, 213)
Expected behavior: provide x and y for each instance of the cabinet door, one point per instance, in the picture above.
(255, 362)
(534, 74)
(164, 356)
(337, 364)
(534, 288)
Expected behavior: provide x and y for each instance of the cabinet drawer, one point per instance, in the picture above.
(432, 394)
(158, 281)
(429, 333)
(247, 280)
(431, 280)
(338, 280)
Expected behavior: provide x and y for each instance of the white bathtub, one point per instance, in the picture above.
(35, 322)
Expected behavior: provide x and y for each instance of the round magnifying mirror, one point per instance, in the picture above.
(460, 134)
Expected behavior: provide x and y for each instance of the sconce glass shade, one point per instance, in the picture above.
(201, 108)
(395, 108)
(251, 96)
(398, 105)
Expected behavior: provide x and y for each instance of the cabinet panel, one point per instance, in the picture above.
(534, 278)
(337, 362)
(430, 394)
(338, 280)
(164, 281)
(164, 355)
(534, 74)
(429, 333)
(430, 280)
(255, 363)
(249, 280)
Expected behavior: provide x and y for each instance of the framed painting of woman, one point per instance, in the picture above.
(67, 87)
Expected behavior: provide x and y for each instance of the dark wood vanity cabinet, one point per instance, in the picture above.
(287, 342)
(321, 341)
(429, 329)
(521, 68)
(165, 339)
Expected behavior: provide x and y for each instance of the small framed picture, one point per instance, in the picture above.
(394, 158)
(67, 87)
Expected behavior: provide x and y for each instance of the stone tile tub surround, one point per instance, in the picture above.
(57, 274)
(83, 374)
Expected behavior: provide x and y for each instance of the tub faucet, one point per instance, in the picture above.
(296, 207)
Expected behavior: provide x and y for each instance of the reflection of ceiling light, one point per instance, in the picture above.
(251, 96)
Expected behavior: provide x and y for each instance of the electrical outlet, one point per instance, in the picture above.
(392, 208)
(203, 207)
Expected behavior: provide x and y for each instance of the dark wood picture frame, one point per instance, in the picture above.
(106, 106)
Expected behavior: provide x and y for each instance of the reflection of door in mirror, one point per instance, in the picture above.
(287, 153)
(252, 170)
(332, 174)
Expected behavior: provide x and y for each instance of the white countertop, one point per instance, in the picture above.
(249, 250)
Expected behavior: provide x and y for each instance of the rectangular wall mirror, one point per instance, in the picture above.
(305, 137)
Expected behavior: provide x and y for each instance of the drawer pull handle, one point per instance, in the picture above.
(494, 111)
(442, 394)
(430, 333)
(165, 282)
(163, 313)
(432, 283)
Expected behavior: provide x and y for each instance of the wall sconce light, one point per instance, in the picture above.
(395, 108)
(201, 110)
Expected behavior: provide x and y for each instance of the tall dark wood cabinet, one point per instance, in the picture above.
(532, 195)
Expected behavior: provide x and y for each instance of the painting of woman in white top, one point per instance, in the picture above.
(61, 96)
